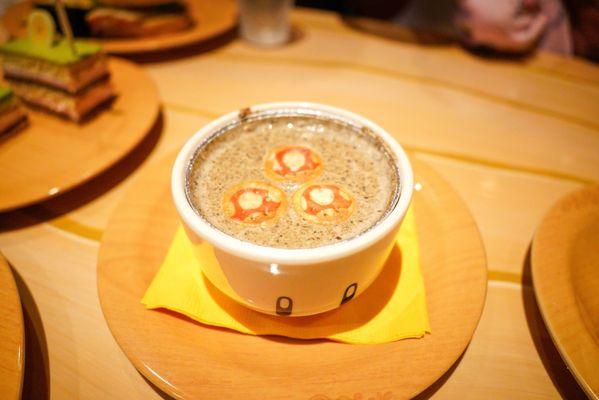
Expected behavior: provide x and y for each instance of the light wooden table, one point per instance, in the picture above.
(511, 137)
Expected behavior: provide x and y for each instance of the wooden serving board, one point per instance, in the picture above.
(565, 270)
(12, 335)
(52, 155)
(211, 18)
(190, 360)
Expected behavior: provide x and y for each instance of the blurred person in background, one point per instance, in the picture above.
(514, 26)
(568, 27)
(504, 26)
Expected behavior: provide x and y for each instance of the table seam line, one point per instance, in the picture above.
(423, 80)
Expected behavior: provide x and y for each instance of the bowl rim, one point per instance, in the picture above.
(284, 256)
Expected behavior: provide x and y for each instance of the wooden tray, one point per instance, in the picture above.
(190, 360)
(565, 270)
(12, 335)
(211, 18)
(52, 155)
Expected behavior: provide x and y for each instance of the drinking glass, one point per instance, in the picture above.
(265, 22)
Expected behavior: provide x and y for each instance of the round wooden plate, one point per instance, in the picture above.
(190, 360)
(211, 18)
(12, 335)
(52, 155)
(565, 271)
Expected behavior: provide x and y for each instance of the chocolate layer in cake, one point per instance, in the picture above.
(12, 115)
(73, 106)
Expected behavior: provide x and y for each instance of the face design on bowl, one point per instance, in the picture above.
(292, 191)
(284, 305)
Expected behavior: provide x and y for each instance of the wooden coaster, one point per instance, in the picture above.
(565, 271)
(52, 155)
(211, 18)
(12, 334)
(190, 360)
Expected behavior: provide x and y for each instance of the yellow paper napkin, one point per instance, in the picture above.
(392, 308)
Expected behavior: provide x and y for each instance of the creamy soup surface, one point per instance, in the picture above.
(293, 182)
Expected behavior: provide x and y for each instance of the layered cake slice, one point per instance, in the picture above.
(74, 106)
(68, 78)
(138, 18)
(12, 115)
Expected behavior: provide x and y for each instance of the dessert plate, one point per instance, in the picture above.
(52, 155)
(189, 360)
(565, 271)
(211, 18)
(12, 345)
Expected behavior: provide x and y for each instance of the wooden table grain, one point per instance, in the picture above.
(512, 136)
(12, 334)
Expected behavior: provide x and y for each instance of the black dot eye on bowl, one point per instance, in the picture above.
(349, 293)
(284, 305)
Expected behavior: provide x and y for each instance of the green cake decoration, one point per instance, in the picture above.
(59, 53)
(5, 93)
(7, 100)
(41, 28)
(41, 42)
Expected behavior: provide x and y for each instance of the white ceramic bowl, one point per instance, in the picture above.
(293, 282)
